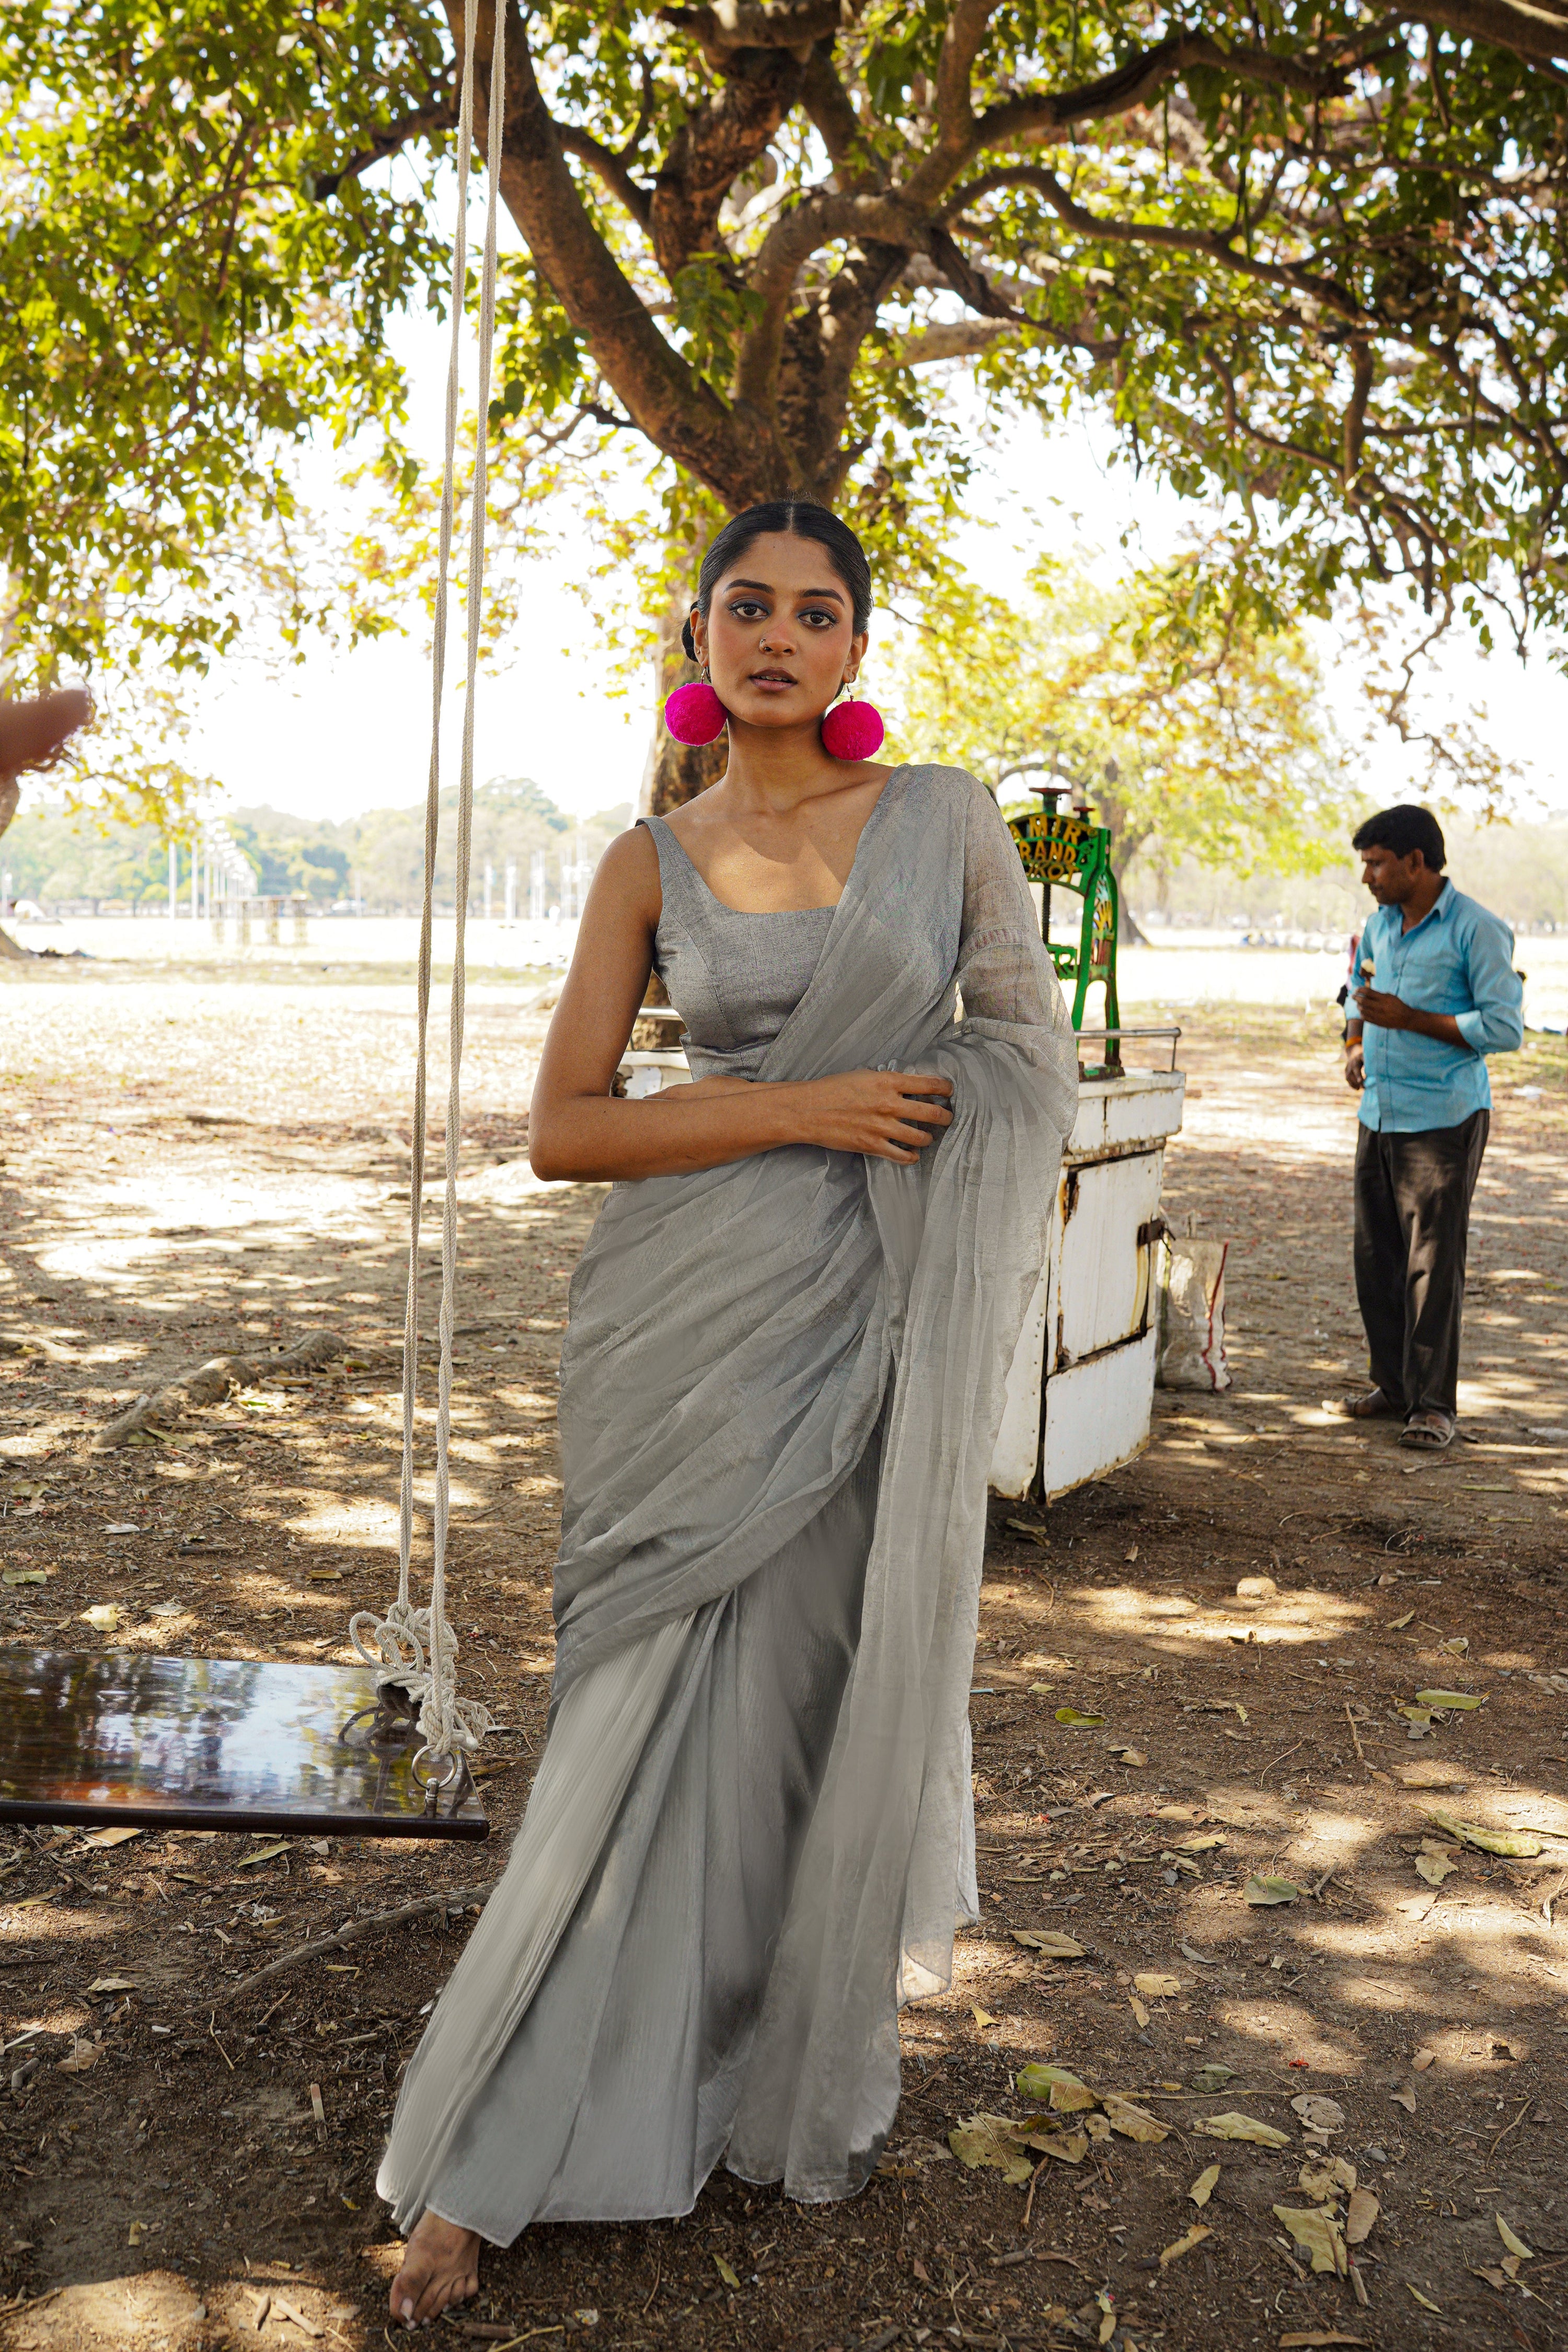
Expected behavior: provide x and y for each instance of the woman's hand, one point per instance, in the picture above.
(887, 1114)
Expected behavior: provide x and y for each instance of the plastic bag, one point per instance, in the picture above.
(1191, 1340)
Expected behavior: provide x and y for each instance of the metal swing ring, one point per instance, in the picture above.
(432, 1784)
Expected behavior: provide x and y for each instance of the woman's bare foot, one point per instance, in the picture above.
(440, 2266)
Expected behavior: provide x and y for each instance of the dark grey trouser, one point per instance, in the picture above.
(1412, 1225)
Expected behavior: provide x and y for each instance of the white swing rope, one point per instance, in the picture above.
(417, 1648)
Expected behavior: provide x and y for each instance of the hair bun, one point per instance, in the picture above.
(688, 641)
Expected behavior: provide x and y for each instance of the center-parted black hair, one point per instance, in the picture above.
(1403, 829)
(792, 519)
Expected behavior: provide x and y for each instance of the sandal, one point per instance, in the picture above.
(1427, 1432)
(1370, 1405)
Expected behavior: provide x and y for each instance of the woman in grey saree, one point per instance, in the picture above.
(751, 1834)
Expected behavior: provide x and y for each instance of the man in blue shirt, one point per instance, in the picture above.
(1437, 994)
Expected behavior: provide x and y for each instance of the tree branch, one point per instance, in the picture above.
(437, 114)
(663, 398)
(1539, 34)
(784, 254)
(731, 25)
(1208, 242)
(611, 168)
(1355, 415)
(1141, 78)
(963, 339)
(955, 124)
(828, 104)
(715, 144)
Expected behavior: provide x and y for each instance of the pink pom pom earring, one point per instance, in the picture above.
(694, 713)
(853, 731)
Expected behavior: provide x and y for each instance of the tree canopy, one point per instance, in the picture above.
(1224, 754)
(1307, 257)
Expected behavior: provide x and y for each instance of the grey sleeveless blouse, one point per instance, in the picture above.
(733, 978)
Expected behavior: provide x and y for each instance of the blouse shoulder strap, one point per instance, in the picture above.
(677, 877)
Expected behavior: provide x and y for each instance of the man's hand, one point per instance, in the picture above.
(1392, 1013)
(1383, 1011)
(1355, 1064)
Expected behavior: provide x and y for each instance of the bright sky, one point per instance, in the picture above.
(352, 733)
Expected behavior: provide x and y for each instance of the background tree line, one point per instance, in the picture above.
(52, 854)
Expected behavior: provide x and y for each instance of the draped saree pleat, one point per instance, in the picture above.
(750, 1835)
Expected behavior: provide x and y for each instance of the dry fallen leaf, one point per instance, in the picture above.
(1519, 1844)
(1203, 2187)
(1423, 2301)
(1049, 1942)
(1097, 2128)
(1397, 1624)
(728, 2276)
(1055, 2085)
(1271, 1889)
(1303, 2337)
(1462, 1699)
(263, 1853)
(84, 2055)
(1183, 2245)
(1156, 1987)
(1134, 1755)
(1067, 2147)
(1361, 2217)
(1214, 2076)
(994, 2140)
(1433, 1776)
(1132, 1555)
(1138, 2011)
(1325, 2182)
(1436, 1863)
(982, 2017)
(111, 1837)
(1422, 2060)
(103, 1616)
(1235, 2125)
(1512, 2241)
(1457, 1646)
(1404, 2097)
(1200, 1844)
(1318, 2113)
(1317, 2235)
(1132, 2122)
(111, 1984)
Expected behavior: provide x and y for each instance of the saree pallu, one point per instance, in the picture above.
(751, 1834)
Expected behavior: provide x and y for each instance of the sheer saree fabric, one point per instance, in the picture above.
(786, 1369)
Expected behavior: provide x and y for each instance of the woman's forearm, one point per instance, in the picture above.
(601, 1139)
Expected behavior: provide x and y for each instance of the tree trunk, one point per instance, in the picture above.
(10, 798)
(1126, 841)
(676, 772)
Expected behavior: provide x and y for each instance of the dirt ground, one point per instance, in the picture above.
(193, 1162)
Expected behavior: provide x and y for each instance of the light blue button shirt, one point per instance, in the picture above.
(1458, 958)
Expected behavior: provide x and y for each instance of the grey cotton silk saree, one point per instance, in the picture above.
(750, 1834)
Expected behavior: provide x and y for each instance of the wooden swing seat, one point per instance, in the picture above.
(217, 1744)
